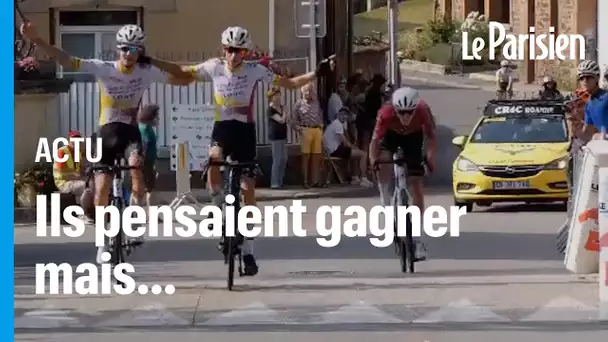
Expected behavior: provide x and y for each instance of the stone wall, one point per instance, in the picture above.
(567, 16)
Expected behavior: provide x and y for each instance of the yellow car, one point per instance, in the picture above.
(517, 152)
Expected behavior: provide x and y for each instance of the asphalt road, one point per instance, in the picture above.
(501, 279)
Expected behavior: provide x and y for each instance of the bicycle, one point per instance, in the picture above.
(119, 246)
(405, 248)
(231, 245)
(503, 95)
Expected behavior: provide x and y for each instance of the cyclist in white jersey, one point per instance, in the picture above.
(234, 133)
(122, 85)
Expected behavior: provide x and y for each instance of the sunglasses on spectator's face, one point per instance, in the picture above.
(131, 49)
(231, 49)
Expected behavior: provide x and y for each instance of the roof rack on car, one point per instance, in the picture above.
(524, 107)
(525, 102)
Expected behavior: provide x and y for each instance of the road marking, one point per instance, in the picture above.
(254, 313)
(146, 316)
(45, 319)
(357, 313)
(564, 309)
(462, 311)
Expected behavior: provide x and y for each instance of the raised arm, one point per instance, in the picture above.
(28, 30)
(299, 81)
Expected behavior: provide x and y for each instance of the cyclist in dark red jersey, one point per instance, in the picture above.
(404, 123)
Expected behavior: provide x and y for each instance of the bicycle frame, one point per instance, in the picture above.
(232, 243)
(119, 246)
(406, 248)
(232, 186)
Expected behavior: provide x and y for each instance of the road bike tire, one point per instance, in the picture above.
(118, 255)
(407, 246)
(229, 244)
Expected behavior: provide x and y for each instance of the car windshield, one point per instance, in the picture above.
(494, 130)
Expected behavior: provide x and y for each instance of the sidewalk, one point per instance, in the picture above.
(28, 215)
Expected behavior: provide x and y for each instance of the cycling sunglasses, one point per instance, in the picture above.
(235, 50)
(582, 77)
(131, 49)
(404, 112)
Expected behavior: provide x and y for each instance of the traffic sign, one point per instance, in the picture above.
(302, 16)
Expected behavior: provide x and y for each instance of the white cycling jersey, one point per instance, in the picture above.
(121, 90)
(233, 90)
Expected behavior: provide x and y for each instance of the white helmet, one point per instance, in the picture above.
(504, 63)
(588, 68)
(405, 99)
(130, 35)
(236, 37)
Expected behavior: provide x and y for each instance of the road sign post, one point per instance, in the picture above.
(310, 23)
(303, 17)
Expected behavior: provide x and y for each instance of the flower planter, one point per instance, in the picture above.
(26, 196)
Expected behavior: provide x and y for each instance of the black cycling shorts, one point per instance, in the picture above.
(412, 145)
(116, 138)
(238, 140)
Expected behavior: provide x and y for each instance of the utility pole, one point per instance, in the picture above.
(393, 9)
(313, 34)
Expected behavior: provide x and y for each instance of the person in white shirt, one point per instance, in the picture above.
(504, 79)
(336, 101)
(338, 146)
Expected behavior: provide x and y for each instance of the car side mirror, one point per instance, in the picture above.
(460, 141)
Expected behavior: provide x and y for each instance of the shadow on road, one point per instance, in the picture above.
(446, 154)
(469, 246)
(523, 208)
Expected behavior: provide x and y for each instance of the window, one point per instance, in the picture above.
(91, 34)
(97, 18)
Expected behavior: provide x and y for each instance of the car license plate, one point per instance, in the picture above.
(511, 185)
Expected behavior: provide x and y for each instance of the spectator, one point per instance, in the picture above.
(148, 119)
(549, 90)
(68, 176)
(277, 134)
(388, 92)
(504, 79)
(337, 145)
(374, 98)
(308, 122)
(337, 101)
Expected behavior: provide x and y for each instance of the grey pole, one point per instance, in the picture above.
(313, 34)
(392, 32)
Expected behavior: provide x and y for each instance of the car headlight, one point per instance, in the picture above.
(558, 164)
(466, 165)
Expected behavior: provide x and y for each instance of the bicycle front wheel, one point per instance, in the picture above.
(405, 245)
(229, 244)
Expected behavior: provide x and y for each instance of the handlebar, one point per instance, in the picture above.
(400, 162)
